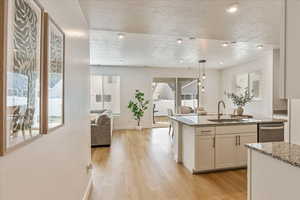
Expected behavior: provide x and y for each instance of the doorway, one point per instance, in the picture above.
(163, 95)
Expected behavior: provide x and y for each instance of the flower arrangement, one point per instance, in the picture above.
(242, 99)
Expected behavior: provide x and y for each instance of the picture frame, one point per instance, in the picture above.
(255, 87)
(54, 75)
(21, 77)
(250, 81)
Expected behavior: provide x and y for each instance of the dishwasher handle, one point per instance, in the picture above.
(271, 128)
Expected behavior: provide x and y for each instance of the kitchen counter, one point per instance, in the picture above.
(202, 145)
(273, 171)
(286, 152)
(203, 120)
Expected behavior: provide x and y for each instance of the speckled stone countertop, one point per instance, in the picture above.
(286, 152)
(203, 120)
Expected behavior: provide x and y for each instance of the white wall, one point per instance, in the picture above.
(259, 108)
(133, 78)
(53, 166)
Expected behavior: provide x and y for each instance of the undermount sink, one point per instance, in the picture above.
(225, 120)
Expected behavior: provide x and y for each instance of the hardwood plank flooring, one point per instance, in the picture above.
(139, 166)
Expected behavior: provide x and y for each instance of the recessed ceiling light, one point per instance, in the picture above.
(233, 8)
(181, 60)
(225, 44)
(121, 36)
(179, 41)
(260, 46)
(221, 63)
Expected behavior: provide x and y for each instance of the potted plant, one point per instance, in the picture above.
(240, 100)
(138, 106)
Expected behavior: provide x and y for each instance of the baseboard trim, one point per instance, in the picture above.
(88, 190)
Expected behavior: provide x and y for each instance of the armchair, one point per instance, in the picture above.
(101, 130)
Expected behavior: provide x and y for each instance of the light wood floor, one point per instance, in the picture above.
(139, 166)
(161, 122)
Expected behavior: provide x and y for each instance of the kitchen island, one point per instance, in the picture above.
(206, 143)
(273, 171)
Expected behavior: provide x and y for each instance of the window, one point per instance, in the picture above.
(174, 93)
(187, 91)
(105, 93)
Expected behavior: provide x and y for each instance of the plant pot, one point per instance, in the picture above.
(139, 128)
(240, 111)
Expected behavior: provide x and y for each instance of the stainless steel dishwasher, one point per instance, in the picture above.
(271, 132)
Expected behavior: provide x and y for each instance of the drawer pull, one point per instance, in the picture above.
(206, 131)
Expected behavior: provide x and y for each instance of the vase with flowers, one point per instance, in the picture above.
(240, 100)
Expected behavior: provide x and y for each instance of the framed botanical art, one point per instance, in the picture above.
(255, 85)
(54, 74)
(22, 71)
(250, 82)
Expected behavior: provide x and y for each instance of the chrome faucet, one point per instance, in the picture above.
(219, 103)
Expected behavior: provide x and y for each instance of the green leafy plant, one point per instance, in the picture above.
(242, 99)
(138, 106)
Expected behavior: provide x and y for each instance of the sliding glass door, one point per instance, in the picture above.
(164, 94)
(180, 95)
(187, 94)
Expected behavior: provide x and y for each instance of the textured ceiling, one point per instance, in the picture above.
(164, 51)
(257, 21)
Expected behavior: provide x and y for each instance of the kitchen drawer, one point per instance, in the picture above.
(236, 129)
(205, 130)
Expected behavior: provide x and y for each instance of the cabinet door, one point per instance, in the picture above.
(226, 151)
(242, 150)
(292, 44)
(205, 152)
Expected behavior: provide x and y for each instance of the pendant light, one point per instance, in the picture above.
(199, 75)
(202, 77)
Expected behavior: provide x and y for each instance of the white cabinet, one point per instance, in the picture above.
(290, 44)
(205, 148)
(236, 129)
(242, 150)
(216, 147)
(230, 145)
(226, 151)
